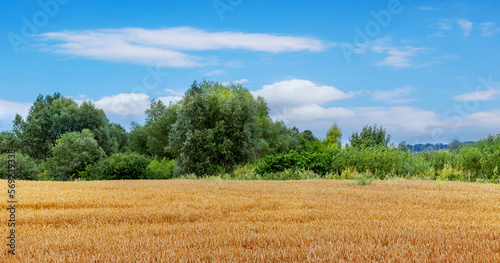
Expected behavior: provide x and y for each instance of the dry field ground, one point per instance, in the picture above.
(258, 221)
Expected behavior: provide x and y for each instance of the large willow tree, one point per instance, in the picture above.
(216, 128)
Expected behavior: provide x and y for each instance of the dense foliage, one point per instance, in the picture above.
(121, 166)
(370, 136)
(51, 117)
(218, 130)
(72, 153)
(25, 167)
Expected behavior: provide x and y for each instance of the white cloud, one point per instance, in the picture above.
(395, 96)
(298, 92)
(236, 82)
(478, 96)
(466, 26)
(130, 104)
(484, 121)
(411, 121)
(124, 104)
(489, 29)
(162, 47)
(215, 72)
(9, 109)
(312, 111)
(399, 57)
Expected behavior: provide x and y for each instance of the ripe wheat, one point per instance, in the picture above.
(262, 221)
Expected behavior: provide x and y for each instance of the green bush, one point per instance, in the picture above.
(161, 170)
(71, 155)
(123, 166)
(381, 161)
(26, 167)
(317, 162)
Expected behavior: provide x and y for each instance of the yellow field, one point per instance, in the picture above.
(263, 221)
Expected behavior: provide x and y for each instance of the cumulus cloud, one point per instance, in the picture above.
(395, 96)
(312, 111)
(162, 47)
(400, 120)
(298, 92)
(466, 26)
(124, 104)
(9, 109)
(300, 103)
(130, 104)
(485, 121)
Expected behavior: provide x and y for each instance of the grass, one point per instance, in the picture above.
(264, 221)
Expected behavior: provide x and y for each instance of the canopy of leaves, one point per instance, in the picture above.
(216, 128)
(333, 137)
(72, 153)
(52, 116)
(370, 136)
(455, 145)
(25, 167)
(123, 166)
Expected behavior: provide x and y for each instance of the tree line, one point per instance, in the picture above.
(213, 130)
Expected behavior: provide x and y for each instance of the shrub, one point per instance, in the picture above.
(123, 166)
(318, 162)
(161, 170)
(72, 153)
(245, 172)
(364, 179)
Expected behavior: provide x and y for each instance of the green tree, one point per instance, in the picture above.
(72, 153)
(8, 140)
(370, 136)
(274, 137)
(455, 145)
(309, 143)
(26, 168)
(160, 119)
(119, 138)
(137, 139)
(216, 128)
(334, 137)
(402, 146)
(52, 116)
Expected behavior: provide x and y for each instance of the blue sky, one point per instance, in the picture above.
(427, 71)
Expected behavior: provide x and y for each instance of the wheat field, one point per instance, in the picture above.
(255, 221)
